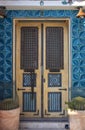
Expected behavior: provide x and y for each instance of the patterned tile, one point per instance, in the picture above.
(77, 43)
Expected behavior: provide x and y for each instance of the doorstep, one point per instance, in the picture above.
(44, 124)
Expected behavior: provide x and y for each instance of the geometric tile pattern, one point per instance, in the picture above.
(77, 38)
(54, 80)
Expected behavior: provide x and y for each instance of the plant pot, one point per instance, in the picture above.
(76, 119)
(9, 119)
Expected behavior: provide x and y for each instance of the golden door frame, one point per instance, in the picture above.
(46, 22)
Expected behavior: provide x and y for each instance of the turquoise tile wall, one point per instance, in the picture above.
(77, 48)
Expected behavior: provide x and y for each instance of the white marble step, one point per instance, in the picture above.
(42, 129)
(42, 125)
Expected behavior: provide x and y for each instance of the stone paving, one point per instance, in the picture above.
(43, 129)
(43, 126)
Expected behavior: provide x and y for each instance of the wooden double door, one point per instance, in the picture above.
(42, 68)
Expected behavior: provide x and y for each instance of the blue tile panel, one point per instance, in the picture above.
(77, 37)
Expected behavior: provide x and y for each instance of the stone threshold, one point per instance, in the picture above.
(58, 119)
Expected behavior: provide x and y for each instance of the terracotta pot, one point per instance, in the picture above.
(9, 119)
(76, 120)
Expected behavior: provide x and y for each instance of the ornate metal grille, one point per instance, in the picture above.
(29, 103)
(54, 48)
(29, 48)
(54, 102)
(54, 80)
(29, 80)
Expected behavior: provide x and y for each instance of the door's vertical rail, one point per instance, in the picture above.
(65, 73)
(45, 89)
(42, 70)
(18, 72)
(39, 72)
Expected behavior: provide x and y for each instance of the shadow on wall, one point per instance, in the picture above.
(76, 91)
(4, 90)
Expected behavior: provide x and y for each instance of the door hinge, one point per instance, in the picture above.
(63, 89)
(47, 113)
(63, 113)
(19, 89)
(36, 114)
(22, 114)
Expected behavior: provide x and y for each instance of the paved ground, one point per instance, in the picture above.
(44, 125)
(43, 129)
(27, 127)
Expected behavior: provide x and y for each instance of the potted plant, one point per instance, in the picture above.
(9, 114)
(76, 113)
